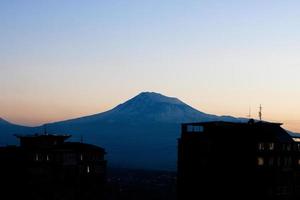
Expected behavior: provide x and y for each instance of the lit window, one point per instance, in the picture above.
(260, 161)
(47, 158)
(88, 169)
(271, 146)
(81, 157)
(37, 157)
(261, 146)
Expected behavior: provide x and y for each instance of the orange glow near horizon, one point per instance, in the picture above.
(35, 114)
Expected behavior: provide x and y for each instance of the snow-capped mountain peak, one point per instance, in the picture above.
(146, 97)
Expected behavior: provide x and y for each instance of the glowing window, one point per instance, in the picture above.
(261, 146)
(81, 157)
(271, 146)
(260, 161)
(88, 169)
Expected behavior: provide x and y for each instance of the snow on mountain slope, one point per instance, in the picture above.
(151, 107)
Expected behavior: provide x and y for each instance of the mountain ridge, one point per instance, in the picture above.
(3, 121)
(139, 103)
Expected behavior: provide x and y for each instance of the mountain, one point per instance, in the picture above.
(151, 107)
(8, 130)
(140, 133)
(3, 122)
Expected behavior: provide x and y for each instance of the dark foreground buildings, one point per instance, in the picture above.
(221, 160)
(45, 167)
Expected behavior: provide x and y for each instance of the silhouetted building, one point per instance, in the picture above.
(47, 167)
(255, 160)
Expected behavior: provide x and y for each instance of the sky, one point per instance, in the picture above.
(62, 59)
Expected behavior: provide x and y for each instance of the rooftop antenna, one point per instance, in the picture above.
(249, 114)
(260, 112)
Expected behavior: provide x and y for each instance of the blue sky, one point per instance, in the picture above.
(61, 59)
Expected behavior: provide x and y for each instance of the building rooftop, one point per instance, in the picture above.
(251, 129)
(64, 136)
(222, 123)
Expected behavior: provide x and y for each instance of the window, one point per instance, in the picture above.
(278, 161)
(271, 161)
(198, 128)
(88, 169)
(195, 128)
(271, 146)
(298, 146)
(261, 146)
(260, 161)
(286, 147)
(37, 157)
(47, 157)
(298, 161)
(81, 157)
(287, 161)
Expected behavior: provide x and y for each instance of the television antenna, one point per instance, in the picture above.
(249, 114)
(260, 112)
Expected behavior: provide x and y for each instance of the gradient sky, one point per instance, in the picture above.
(62, 59)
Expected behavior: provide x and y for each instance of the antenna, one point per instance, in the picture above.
(249, 114)
(260, 112)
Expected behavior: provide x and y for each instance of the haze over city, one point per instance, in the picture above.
(64, 59)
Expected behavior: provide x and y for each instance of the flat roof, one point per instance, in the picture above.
(42, 136)
(232, 123)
